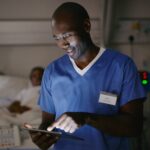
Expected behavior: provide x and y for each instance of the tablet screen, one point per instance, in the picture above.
(63, 135)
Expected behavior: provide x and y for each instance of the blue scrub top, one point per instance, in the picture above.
(64, 90)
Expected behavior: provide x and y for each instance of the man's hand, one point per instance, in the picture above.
(69, 121)
(42, 140)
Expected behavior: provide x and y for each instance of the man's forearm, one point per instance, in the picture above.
(119, 125)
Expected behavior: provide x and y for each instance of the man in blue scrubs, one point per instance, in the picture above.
(91, 92)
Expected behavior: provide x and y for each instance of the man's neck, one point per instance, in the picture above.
(87, 58)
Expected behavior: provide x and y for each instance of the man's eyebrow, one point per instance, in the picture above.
(54, 36)
(65, 32)
(59, 34)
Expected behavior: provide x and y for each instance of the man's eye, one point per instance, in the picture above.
(68, 35)
(57, 38)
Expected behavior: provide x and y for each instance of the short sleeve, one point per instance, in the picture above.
(132, 88)
(45, 99)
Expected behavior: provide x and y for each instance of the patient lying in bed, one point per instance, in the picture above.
(27, 98)
(24, 108)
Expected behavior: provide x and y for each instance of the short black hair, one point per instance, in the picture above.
(41, 69)
(79, 12)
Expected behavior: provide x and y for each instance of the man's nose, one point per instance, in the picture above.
(65, 43)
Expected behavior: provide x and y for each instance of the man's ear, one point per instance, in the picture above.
(87, 25)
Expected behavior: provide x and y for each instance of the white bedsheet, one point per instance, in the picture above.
(10, 86)
(31, 116)
(17, 88)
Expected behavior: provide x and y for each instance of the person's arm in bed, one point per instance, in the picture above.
(16, 107)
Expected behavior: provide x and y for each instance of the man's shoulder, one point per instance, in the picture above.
(116, 53)
(59, 61)
(117, 56)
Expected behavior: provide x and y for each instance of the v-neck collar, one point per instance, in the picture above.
(83, 71)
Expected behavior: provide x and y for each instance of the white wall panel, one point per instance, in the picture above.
(14, 9)
(35, 32)
(25, 33)
(19, 60)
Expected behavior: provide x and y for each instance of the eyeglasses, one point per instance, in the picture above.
(66, 36)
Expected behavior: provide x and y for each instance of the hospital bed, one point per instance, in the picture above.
(10, 86)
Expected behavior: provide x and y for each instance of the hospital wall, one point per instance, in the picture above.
(17, 58)
(136, 12)
(24, 41)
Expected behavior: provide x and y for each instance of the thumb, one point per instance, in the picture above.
(26, 125)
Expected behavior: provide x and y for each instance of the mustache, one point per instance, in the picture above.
(71, 47)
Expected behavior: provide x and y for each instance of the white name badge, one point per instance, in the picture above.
(107, 98)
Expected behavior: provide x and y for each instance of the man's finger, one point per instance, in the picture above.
(50, 128)
(65, 123)
(57, 123)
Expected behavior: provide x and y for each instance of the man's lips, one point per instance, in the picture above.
(70, 52)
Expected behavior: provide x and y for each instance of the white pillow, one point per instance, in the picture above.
(10, 86)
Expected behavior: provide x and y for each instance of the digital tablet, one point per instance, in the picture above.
(42, 131)
(63, 135)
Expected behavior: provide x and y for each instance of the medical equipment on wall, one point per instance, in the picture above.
(145, 79)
